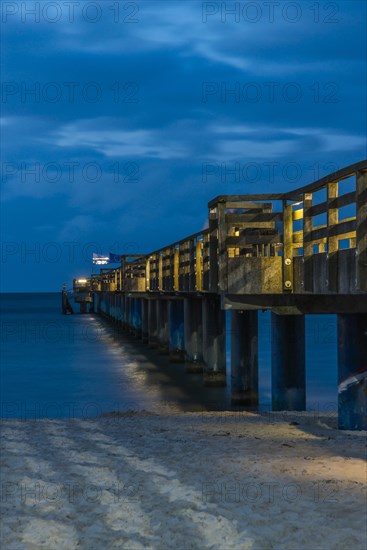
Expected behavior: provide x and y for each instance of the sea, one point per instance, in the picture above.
(79, 366)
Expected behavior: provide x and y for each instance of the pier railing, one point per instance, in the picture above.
(310, 240)
(296, 253)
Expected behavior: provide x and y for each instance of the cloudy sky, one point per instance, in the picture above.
(121, 120)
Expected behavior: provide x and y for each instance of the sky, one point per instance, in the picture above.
(121, 120)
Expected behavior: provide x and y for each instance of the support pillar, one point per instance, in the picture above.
(244, 358)
(162, 328)
(214, 342)
(144, 320)
(152, 330)
(127, 313)
(92, 303)
(119, 310)
(138, 313)
(352, 371)
(137, 317)
(123, 312)
(132, 316)
(176, 331)
(193, 331)
(114, 307)
(288, 369)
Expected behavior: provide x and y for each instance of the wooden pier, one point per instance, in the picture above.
(293, 253)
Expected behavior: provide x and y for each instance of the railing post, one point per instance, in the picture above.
(199, 265)
(213, 250)
(222, 247)
(176, 266)
(361, 233)
(332, 240)
(160, 271)
(307, 244)
(288, 247)
(147, 275)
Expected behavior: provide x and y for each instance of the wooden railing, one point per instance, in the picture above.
(312, 239)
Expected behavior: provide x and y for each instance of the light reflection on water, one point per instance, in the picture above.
(79, 366)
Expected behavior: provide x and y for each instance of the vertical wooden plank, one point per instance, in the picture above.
(176, 266)
(187, 265)
(361, 233)
(213, 250)
(192, 286)
(222, 248)
(332, 240)
(160, 271)
(287, 247)
(199, 265)
(116, 275)
(147, 274)
(307, 245)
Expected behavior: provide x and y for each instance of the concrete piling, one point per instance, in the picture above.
(244, 358)
(288, 369)
(152, 322)
(214, 342)
(193, 334)
(352, 371)
(176, 331)
(162, 329)
(145, 320)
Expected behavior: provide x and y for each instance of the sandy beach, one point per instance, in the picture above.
(183, 480)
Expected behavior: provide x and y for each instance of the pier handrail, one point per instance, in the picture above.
(262, 243)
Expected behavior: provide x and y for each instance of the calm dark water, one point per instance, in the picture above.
(59, 366)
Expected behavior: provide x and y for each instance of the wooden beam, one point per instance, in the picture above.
(361, 230)
(199, 265)
(287, 247)
(307, 245)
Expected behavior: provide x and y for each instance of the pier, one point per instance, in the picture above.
(295, 253)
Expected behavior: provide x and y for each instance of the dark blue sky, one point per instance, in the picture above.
(141, 110)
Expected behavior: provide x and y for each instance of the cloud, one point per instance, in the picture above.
(110, 142)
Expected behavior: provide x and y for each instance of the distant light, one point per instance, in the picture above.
(81, 280)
